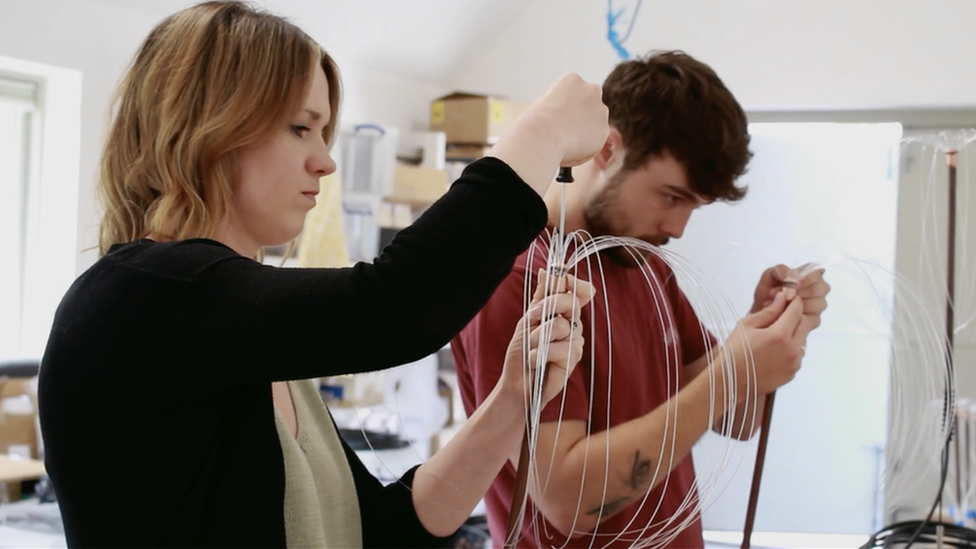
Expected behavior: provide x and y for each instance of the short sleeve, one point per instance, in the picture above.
(479, 350)
(695, 337)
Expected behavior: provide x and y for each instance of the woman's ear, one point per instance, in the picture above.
(612, 154)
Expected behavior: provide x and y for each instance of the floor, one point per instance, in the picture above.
(783, 540)
(16, 538)
(29, 525)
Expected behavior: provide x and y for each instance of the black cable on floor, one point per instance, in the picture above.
(927, 530)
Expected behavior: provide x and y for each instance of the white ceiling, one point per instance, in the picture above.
(419, 39)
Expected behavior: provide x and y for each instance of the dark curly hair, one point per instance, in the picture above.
(670, 103)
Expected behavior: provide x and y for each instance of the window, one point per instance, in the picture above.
(18, 122)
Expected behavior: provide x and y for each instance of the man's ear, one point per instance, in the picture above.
(611, 156)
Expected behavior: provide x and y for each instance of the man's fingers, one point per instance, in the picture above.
(808, 270)
(814, 306)
(790, 319)
(779, 273)
(768, 315)
(816, 288)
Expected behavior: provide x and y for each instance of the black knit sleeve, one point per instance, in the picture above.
(388, 516)
(267, 324)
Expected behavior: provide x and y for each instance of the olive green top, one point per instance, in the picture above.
(321, 505)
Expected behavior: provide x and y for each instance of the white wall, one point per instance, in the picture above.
(99, 38)
(90, 37)
(772, 54)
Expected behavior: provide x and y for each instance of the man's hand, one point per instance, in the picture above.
(770, 284)
(765, 349)
(807, 282)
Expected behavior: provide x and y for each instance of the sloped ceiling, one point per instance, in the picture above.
(419, 39)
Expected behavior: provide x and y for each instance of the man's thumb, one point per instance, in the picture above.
(766, 316)
(792, 315)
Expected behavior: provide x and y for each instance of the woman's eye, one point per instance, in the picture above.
(300, 130)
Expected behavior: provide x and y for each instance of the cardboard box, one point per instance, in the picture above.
(18, 418)
(18, 435)
(17, 469)
(417, 186)
(467, 153)
(471, 118)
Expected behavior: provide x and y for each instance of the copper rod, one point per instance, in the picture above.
(789, 291)
(952, 159)
(767, 418)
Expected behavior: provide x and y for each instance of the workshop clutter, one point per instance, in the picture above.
(472, 122)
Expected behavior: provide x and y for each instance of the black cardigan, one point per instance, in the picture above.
(155, 388)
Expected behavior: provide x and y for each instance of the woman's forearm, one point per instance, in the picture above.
(451, 483)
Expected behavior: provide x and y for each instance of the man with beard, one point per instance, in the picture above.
(614, 451)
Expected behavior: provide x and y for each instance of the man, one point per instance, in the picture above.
(614, 451)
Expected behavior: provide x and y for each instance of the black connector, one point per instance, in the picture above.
(565, 175)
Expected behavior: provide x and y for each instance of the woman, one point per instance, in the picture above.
(175, 364)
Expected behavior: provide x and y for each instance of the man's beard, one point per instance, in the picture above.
(602, 218)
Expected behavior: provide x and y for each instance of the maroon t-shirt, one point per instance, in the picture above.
(652, 329)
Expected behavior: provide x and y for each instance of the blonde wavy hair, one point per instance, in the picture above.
(206, 82)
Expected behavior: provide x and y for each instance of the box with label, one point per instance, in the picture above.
(471, 118)
(417, 186)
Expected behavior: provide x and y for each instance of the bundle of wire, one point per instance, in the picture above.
(908, 533)
(923, 373)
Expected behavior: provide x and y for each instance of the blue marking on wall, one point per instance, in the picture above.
(615, 20)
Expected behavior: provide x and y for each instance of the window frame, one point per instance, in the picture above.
(24, 92)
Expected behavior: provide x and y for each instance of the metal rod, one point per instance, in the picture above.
(952, 159)
(757, 472)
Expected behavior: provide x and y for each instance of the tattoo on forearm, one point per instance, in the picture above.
(639, 480)
(640, 472)
(610, 507)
